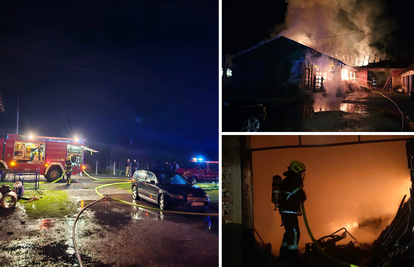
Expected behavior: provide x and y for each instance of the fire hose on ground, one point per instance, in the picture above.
(107, 198)
(402, 115)
(345, 264)
(74, 228)
(142, 206)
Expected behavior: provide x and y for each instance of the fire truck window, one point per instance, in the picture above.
(28, 152)
(213, 167)
(76, 153)
(202, 166)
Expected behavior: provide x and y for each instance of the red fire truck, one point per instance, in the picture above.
(24, 153)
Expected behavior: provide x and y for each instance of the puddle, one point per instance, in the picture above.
(101, 234)
(116, 214)
(338, 106)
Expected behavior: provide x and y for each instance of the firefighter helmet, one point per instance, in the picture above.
(68, 158)
(297, 166)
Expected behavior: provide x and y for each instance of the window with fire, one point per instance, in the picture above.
(29, 152)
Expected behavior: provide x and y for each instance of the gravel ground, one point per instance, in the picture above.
(108, 234)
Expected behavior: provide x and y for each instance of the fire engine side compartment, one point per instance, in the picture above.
(20, 166)
(55, 153)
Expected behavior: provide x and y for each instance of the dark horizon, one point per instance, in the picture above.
(158, 82)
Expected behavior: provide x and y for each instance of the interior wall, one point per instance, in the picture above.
(231, 180)
(344, 185)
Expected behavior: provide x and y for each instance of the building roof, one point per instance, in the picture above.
(392, 64)
(285, 39)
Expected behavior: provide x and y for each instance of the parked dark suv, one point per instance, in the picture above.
(167, 190)
(242, 115)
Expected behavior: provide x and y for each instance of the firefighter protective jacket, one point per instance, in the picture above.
(292, 193)
(68, 165)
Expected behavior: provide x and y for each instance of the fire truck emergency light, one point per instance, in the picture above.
(200, 159)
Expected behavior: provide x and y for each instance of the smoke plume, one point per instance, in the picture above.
(353, 31)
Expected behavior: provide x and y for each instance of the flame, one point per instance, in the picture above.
(344, 74)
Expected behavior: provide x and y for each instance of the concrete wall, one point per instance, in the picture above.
(231, 180)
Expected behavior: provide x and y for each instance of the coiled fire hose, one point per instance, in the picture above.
(345, 264)
(402, 115)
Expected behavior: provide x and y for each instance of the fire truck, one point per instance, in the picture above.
(47, 155)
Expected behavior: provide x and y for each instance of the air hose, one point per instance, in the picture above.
(345, 264)
(402, 115)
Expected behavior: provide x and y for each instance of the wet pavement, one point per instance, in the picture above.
(361, 111)
(109, 233)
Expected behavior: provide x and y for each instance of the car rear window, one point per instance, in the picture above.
(171, 179)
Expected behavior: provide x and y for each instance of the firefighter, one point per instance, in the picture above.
(374, 83)
(289, 209)
(68, 170)
(128, 168)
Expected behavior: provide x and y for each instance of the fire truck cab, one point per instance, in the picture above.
(23, 153)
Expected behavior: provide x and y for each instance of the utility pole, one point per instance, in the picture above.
(17, 125)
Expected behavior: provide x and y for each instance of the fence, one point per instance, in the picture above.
(30, 181)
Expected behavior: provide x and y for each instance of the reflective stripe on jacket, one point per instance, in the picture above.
(292, 193)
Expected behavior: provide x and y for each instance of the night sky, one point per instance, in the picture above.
(166, 52)
(245, 24)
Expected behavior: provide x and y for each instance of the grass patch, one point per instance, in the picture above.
(122, 186)
(53, 204)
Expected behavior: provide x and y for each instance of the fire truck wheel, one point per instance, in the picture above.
(9, 200)
(53, 174)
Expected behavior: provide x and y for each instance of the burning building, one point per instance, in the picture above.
(388, 74)
(283, 67)
(352, 182)
(407, 79)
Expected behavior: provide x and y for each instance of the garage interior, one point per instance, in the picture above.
(360, 183)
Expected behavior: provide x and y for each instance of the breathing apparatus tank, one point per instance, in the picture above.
(277, 180)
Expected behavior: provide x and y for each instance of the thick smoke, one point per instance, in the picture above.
(310, 22)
